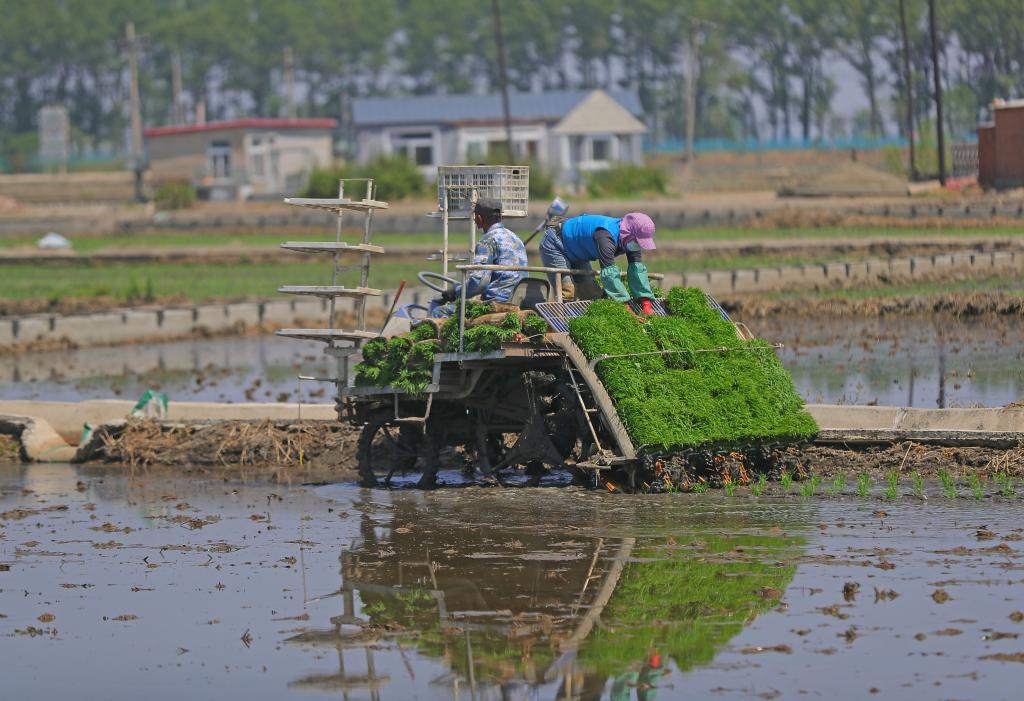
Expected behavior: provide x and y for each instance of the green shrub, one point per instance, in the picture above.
(627, 180)
(174, 194)
(395, 177)
(689, 397)
(542, 182)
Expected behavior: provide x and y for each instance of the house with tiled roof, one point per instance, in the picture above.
(241, 158)
(569, 132)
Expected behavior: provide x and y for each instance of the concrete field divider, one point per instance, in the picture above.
(143, 324)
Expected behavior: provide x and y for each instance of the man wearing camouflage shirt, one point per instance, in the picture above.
(498, 246)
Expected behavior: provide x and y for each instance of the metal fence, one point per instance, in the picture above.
(965, 160)
(754, 145)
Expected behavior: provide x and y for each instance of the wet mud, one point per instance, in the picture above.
(145, 587)
(325, 451)
(301, 449)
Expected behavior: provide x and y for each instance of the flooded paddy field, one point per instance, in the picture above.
(931, 363)
(160, 586)
(921, 362)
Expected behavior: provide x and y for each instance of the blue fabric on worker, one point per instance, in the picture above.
(498, 246)
(578, 235)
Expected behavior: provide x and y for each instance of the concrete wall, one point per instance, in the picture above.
(129, 325)
(53, 426)
(118, 186)
(183, 156)
(296, 151)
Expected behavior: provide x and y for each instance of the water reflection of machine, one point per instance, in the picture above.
(514, 611)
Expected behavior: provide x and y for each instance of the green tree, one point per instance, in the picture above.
(860, 28)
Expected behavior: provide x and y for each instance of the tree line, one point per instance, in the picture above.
(760, 69)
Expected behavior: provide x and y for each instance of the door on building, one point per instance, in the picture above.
(218, 159)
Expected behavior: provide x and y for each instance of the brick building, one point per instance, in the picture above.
(1001, 146)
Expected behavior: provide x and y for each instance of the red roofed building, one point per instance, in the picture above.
(241, 158)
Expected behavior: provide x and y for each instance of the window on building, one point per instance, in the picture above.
(424, 156)
(218, 155)
(601, 150)
(496, 149)
(418, 147)
(257, 165)
(474, 152)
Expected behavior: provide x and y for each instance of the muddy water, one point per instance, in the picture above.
(113, 588)
(928, 363)
(262, 369)
(907, 362)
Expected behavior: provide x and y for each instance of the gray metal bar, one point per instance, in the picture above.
(722, 349)
(462, 310)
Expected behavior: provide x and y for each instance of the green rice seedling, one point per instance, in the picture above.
(1005, 485)
(787, 480)
(701, 488)
(730, 488)
(810, 486)
(918, 485)
(534, 327)
(838, 485)
(892, 488)
(948, 484)
(758, 488)
(863, 485)
(684, 398)
(424, 331)
(977, 488)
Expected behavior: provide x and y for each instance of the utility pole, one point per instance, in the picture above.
(133, 89)
(289, 79)
(933, 25)
(503, 78)
(908, 80)
(178, 113)
(691, 87)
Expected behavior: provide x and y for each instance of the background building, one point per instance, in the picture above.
(569, 131)
(1001, 146)
(241, 158)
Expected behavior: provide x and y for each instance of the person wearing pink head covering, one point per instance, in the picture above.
(577, 242)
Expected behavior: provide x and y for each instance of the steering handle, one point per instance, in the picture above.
(428, 277)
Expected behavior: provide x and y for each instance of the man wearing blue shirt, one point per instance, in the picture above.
(498, 246)
(576, 242)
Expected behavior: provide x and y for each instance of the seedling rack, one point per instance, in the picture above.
(341, 343)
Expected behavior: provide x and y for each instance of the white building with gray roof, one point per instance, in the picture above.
(569, 132)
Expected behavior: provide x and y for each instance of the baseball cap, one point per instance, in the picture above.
(488, 205)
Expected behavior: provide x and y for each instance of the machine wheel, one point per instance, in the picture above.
(385, 448)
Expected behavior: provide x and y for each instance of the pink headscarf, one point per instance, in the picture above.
(637, 226)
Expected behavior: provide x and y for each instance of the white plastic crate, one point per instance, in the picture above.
(509, 184)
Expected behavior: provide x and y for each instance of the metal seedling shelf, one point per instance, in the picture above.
(329, 291)
(353, 338)
(327, 334)
(337, 205)
(330, 247)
